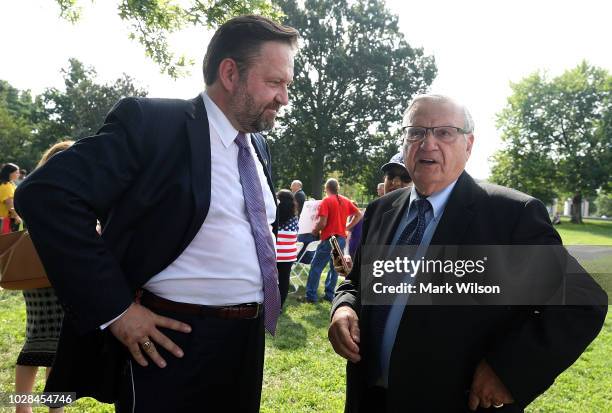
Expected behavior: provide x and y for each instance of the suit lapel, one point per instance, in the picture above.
(263, 159)
(458, 213)
(392, 217)
(379, 238)
(198, 134)
(450, 231)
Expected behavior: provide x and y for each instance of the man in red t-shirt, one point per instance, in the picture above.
(333, 213)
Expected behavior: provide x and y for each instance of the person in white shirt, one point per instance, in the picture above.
(166, 310)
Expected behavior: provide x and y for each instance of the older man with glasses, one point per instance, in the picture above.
(441, 358)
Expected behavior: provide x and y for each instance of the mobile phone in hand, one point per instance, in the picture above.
(338, 253)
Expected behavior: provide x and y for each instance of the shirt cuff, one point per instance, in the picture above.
(103, 326)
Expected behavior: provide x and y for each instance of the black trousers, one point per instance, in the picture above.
(374, 400)
(221, 371)
(284, 273)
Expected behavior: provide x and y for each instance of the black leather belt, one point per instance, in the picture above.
(229, 312)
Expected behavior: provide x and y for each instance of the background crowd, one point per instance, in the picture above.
(337, 216)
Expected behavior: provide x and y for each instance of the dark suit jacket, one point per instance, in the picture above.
(437, 348)
(300, 198)
(146, 175)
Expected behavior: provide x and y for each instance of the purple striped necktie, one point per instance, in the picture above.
(256, 213)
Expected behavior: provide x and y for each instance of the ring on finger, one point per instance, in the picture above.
(497, 406)
(147, 345)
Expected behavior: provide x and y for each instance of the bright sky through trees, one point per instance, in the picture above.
(480, 46)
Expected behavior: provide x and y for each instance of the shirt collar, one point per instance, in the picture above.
(219, 121)
(438, 200)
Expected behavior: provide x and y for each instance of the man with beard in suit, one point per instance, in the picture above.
(166, 310)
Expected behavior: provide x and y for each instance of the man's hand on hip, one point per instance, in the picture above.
(344, 333)
(137, 330)
(487, 389)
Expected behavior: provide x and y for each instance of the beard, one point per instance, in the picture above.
(250, 117)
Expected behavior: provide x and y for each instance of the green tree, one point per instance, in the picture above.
(533, 173)
(20, 103)
(557, 135)
(371, 175)
(354, 75)
(20, 117)
(29, 125)
(603, 202)
(79, 110)
(15, 139)
(151, 21)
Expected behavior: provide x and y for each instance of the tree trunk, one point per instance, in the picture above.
(576, 209)
(318, 165)
(317, 178)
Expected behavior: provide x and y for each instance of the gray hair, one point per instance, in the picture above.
(468, 121)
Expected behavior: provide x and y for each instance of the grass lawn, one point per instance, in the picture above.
(596, 233)
(303, 374)
(592, 232)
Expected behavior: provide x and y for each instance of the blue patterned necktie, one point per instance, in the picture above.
(411, 235)
(256, 213)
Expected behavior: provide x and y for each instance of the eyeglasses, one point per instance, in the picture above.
(445, 134)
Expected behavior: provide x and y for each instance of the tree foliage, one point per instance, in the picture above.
(557, 134)
(20, 118)
(603, 203)
(152, 21)
(371, 175)
(29, 125)
(79, 109)
(354, 75)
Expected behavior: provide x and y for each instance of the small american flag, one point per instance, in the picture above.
(286, 251)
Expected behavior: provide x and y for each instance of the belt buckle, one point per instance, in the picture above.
(257, 309)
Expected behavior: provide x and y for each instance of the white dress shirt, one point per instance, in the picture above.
(220, 266)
